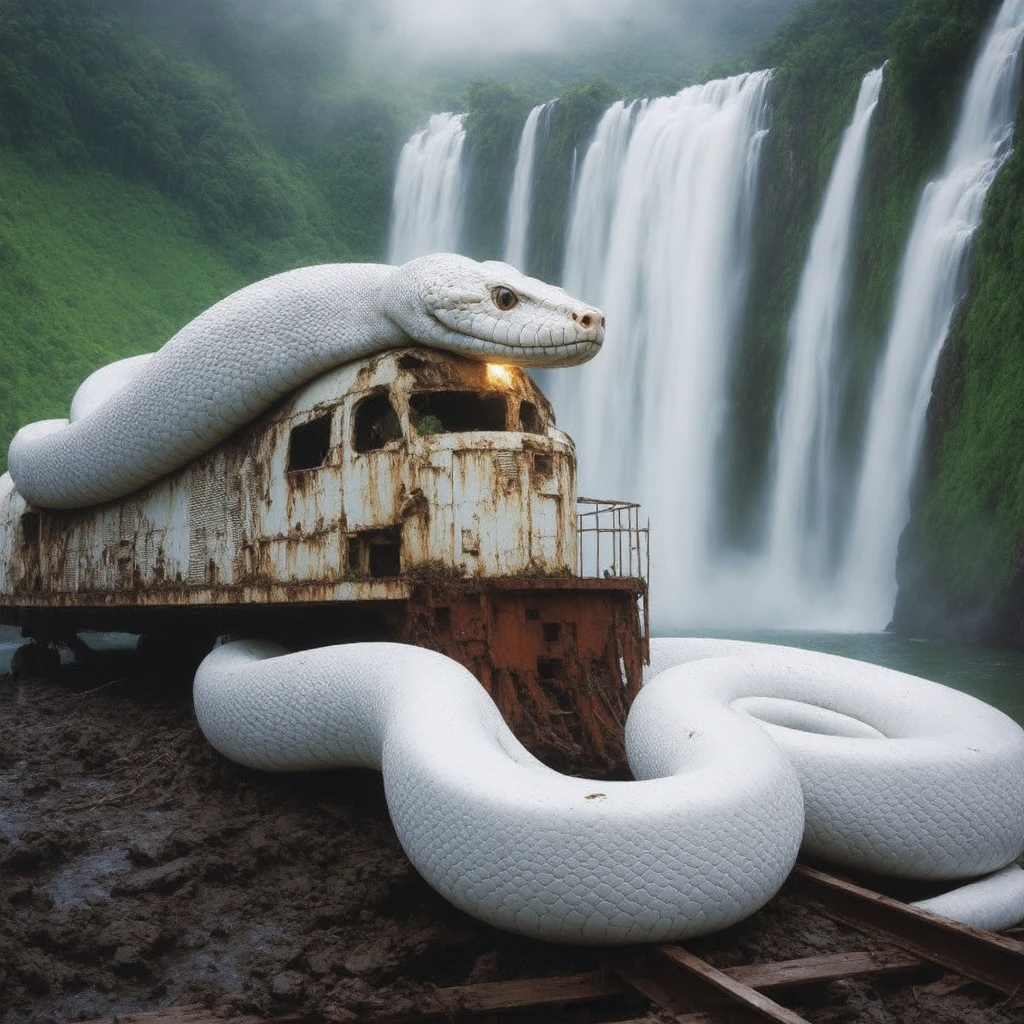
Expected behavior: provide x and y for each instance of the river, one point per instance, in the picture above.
(994, 676)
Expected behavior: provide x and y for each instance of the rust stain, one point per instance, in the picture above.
(457, 535)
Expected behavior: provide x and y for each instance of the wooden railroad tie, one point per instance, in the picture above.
(691, 991)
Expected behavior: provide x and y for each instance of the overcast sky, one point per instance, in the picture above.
(480, 27)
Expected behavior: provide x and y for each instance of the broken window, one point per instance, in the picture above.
(450, 412)
(376, 553)
(309, 444)
(29, 529)
(529, 418)
(376, 423)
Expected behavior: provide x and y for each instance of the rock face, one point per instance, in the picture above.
(961, 561)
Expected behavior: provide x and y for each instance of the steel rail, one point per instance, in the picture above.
(992, 959)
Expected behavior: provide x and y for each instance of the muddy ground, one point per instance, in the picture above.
(140, 870)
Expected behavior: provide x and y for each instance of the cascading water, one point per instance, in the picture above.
(801, 511)
(596, 193)
(517, 223)
(930, 286)
(659, 238)
(426, 209)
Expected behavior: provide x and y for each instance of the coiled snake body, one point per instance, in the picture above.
(743, 752)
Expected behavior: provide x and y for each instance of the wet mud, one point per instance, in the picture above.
(141, 870)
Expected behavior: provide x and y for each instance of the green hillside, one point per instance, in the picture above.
(153, 157)
(92, 269)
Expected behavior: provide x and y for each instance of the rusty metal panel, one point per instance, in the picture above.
(240, 519)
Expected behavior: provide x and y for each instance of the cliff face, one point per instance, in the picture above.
(961, 557)
(961, 564)
(81, 99)
(961, 560)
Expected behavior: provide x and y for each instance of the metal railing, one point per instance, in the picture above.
(610, 540)
(611, 543)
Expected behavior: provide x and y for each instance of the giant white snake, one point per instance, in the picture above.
(743, 752)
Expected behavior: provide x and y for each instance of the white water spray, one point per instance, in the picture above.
(802, 512)
(659, 238)
(517, 223)
(426, 209)
(597, 186)
(931, 284)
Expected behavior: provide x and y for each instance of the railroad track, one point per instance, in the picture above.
(668, 983)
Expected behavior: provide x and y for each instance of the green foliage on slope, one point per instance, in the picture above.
(821, 56)
(495, 122)
(81, 93)
(91, 270)
(135, 190)
(962, 555)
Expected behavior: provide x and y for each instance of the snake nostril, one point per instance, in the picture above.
(575, 316)
(586, 320)
(602, 321)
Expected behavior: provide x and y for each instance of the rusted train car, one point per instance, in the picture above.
(416, 496)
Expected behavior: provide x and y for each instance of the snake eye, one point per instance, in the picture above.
(504, 298)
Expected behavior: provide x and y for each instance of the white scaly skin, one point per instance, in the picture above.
(493, 830)
(901, 776)
(235, 360)
(743, 750)
(918, 780)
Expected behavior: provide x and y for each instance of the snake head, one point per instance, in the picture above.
(491, 311)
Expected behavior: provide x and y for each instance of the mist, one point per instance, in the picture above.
(572, 37)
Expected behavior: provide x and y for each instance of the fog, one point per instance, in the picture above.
(393, 36)
(541, 45)
(477, 28)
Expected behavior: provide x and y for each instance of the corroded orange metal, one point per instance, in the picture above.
(350, 511)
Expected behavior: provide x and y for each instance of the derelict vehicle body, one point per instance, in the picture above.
(415, 496)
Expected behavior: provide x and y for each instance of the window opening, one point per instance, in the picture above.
(543, 465)
(411, 363)
(376, 553)
(309, 444)
(549, 668)
(552, 632)
(376, 423)
(529, 418)
(29, 528)
(450, 412)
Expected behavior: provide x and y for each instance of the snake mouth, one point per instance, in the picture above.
(580, 347)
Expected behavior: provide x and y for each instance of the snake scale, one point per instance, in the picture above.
(743, 753)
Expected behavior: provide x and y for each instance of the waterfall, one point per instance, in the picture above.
(931, 283)
(801, 511)
(517, 223)
(659, 238)
(426, 208)
(594, 202)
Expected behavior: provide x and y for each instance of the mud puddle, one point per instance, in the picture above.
(140, 870)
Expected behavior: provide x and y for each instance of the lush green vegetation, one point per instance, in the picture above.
(820, 57)
(79, 93)
(962, 557)
(155, 156)
(91, 269)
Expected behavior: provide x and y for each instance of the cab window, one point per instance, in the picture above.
(449, 412)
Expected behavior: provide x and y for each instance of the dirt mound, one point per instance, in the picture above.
(139, 869)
